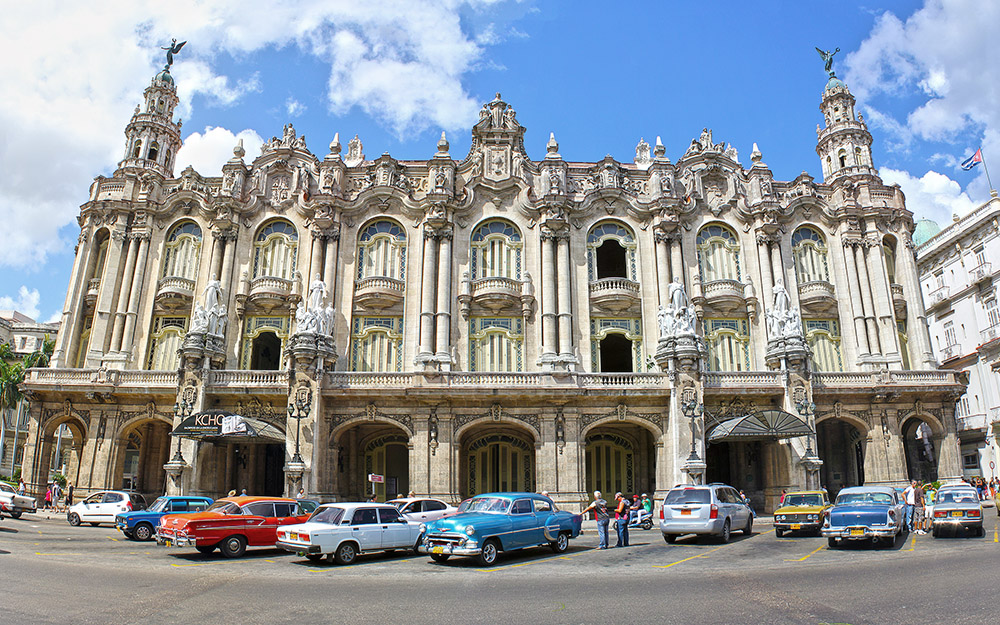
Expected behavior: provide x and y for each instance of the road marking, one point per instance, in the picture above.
(996, 534)
(913, 543)
(194, 564)
(110, 538)
(703, 555)
(806, 556)
(57, 554)
(271, 561)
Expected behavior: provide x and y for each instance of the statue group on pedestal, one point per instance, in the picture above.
(314, 316)
(783, 321)
(678, 318)
(210, 317)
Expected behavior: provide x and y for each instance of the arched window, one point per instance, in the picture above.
(154, 151)
(859, 158)
(496, 251)
(159, 106)
(382, 251)
(275, 251)
(823, 336)
(728, 342)
(810, 253)
(164, 341)
(611, 252)
(496, 344)
(166, 159)
(842, 157)
(377, 344)
(889, 248)
(615, 345)
(137, 148)
(718, 254)
(183, 250)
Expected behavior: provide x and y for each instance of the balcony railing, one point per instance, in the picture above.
(982, 272)
(940, 294)
(971, 422)
(990, 334)
(950, 351)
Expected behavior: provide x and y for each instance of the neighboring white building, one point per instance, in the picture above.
(958, 281)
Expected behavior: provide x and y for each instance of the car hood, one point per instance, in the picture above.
(799, 510)
(139, 514)
(309, 527)
(458, 522)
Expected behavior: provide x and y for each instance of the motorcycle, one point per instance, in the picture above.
(643, 520)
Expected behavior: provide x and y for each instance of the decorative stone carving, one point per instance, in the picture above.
(677, 319)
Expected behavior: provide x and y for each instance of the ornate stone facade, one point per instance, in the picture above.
(493, 322)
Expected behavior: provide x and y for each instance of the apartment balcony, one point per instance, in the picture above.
(93, 288)
(496, 293)
(898, 300)
(939, 296)
(817, 296)
(981, 273)
(723, 295)
(949, 352)
(972, 422)
(616, 295)
(378, 292)
(989, 335)
(269, 292)
(174, 291)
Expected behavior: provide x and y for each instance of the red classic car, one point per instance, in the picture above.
(231, 524)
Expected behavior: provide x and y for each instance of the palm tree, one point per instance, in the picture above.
(11, 376)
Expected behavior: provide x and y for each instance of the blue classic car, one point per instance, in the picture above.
(496, 522)
(864, 513)
(141, 524)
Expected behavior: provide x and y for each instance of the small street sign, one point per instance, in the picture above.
(378, 479)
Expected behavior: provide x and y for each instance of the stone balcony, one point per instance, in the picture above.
(723, 295)
(496, 293)
(972, 422)
(817, 296)
(378, 292)
(615, 295)
(939, 296)
(269, 292)
(93, 289)
(989, 335)
(174, 291)
(981, 273)
(898, 300)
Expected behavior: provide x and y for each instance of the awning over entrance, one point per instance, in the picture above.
(764, 424)
(222, 425)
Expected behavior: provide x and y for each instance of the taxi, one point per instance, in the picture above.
(801, 511)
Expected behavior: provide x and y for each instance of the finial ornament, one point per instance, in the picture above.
(828, 60)
(172, 49)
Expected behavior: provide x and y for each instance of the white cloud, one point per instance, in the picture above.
(933, 196)
(294, 108)
(208, 151)
(71, 74)
(26, 302)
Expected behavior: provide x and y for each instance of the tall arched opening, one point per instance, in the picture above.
(842, 447)
(496, 460)
(920, 449)
(365, 449)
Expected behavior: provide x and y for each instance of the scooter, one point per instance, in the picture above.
(642, 520)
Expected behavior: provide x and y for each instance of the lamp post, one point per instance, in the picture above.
(806, 408)
(299, 409)
(810, 460)
(692, 410)
(181, 409)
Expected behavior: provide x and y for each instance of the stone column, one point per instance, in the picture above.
(853, 287)
(218, 243)
(315, 256)
(866, 300)
(443, 313)
(70, 320)
(127, 278)
(662, 242)
(548, 286)
(885, 314)
(105, 298)
(228, 260)
(427, 302)
(331, 259)
(564, 277)
(917, 334)
(767, 281)
(135, 295)
(677, 261)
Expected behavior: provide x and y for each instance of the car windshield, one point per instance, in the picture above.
(330, 516)
(7, 487)
(462, 507)
(688, 495)
(225, 507)
(399, 503)
(874, 499)
(159, 505)
(488, 504)
(958, 496)
(803, 500)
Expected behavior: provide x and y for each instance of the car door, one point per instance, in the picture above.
(740, 509)
(365, 529)
(526, 530)
(286, 513)
(547, 520)
(396, 532)
(111, 504)
(433, 509)
(260, 524)
(90, 509)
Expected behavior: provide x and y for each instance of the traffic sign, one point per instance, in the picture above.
(372, 477)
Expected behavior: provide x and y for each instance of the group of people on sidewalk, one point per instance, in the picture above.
(625, 512)
(56, 499)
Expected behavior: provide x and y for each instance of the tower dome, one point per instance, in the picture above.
(164, 77)
(925, 231)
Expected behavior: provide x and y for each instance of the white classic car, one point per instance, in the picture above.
(342, 531)
(422, 509)
(13, 504)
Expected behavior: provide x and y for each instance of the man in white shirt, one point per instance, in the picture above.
(910, 499)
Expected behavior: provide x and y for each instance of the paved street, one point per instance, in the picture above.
(53, 573)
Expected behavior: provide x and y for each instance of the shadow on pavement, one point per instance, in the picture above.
(253, 553)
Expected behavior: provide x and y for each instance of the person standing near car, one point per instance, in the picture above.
(622, 508)
(56, 496)
(601, 515)
(69, 495)
(910, 499)
(647, 504)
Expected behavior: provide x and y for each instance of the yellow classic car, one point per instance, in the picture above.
(801, 510)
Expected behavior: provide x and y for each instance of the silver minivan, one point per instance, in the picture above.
(715, 509)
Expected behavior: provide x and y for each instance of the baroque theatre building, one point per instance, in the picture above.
(492, 322)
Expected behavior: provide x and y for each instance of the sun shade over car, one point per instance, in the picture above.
(688, 495)
(875, 499)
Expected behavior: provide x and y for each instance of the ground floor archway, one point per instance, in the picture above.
(142, 450)
(759, 468)
(619, 458)
(254, 466)
(841, 447)
(920, 449)
(497, 460)
(377, 448)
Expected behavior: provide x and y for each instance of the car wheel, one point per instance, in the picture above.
(142, 531)
(440, 557)
(670, 538)
(832, 543)
(647, 524)
(749, 528)
(981, 531)
(205, 549)
(561, 543)
(346, 553)
(15, 515)
(726, 532)
(489, 553)
(315, 557)
(74, 519)
(416, 546)
(779, 532)
(233, 547)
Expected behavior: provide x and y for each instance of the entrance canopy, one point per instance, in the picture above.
(769, 424)
(222, 425)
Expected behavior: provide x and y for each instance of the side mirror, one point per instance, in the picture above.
(402, 520)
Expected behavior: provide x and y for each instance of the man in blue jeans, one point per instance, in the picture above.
(910, 499)
(600, 508)
(622, 509)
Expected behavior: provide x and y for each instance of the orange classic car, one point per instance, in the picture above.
(232, 524)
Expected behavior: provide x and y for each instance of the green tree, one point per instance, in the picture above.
(13, 369)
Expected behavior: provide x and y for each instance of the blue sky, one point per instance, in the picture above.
(397, 73)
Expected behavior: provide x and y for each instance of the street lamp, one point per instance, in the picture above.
(806, 408)
(181, 409)
(692, 410)
(298, 410)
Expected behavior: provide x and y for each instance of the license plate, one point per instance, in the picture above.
(437, 549)
(956, 513)
(796, 526)
(857, 532)
(293, 536)
(685, 512)
(168, 542)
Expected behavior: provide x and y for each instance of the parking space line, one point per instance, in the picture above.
(526, 563)
(110, 538)
(807, 555)
(702, 555)
(996, 534)
(57, 554)
(913, 543)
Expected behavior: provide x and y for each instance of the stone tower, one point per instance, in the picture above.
(844, 144)
(152, 138)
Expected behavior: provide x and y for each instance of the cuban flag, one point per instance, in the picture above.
(973, 160)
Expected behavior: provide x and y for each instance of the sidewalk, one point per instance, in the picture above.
(590, 525)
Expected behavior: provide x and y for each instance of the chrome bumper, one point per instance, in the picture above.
(299, 549)
(450, 550)
(174, 541)
(868, 532)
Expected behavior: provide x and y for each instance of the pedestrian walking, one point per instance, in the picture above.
(910, 499)
(56, 496)
(621, 519)
(918, 511)
(69, 495)
(20, 486)
(602, 516)
(48, 497)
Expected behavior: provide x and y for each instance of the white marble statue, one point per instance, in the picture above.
(199, 320)
(213, 293)
(677, 319)
(317, 294)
